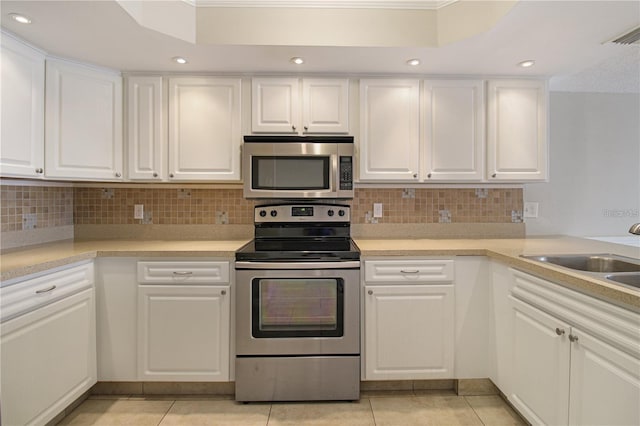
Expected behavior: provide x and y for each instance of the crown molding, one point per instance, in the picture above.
(327, 4)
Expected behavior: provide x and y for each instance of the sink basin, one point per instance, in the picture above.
(632, 280)
(601, 263)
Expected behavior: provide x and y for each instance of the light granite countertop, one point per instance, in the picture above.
(18, 263)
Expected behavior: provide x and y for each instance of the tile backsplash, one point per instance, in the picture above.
(449, 205)
(25, 207)
(97, 206)
(34, 207)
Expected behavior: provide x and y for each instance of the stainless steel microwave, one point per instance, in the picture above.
(298, 167)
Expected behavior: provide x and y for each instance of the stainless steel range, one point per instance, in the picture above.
(298, 306)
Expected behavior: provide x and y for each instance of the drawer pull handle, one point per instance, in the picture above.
(370, 292)
(415, 271)
(182, 273)
(46, 290)
(573, 338)
(559, 331)
(223, 292)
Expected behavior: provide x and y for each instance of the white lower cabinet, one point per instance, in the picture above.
(540, 366)
(48, 355)
(116, 316)
(183, 321)
(576, 360)
(408, 319)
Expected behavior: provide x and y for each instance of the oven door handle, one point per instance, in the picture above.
(298, 265)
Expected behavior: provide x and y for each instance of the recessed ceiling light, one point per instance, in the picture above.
(413, 62)
(180, 60)
(20, 18)
(526, 64)
(297, 60)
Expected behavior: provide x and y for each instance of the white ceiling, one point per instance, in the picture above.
(564, 37)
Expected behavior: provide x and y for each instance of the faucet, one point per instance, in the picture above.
(635, 229)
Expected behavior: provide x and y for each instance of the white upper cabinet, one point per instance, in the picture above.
(325, 105)
(274, 105)
(22, 143)
(83, 130)
(454, 130)
(146, 140)
(517, 148)
(291, 105)
(204, 128)
(389, 129)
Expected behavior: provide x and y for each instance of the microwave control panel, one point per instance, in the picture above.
(346, 172)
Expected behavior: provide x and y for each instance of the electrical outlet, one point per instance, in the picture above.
(138, 211)
(530, 210)
(377, 209)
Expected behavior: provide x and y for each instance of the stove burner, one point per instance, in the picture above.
(318, 235)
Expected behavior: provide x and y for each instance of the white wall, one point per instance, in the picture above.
(594, 187)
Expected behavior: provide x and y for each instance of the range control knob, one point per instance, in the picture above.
(330, 213)
(274, 213)
(341, 213)
(262, 213)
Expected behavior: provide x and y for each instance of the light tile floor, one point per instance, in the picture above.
(441, 408)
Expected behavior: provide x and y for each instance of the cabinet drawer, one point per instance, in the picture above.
(183, 272)
(26, 295)
(408, 271)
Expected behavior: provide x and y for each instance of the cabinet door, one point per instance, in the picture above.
(540, 383)
(517, 141)
(146, 148)
(454, 130)
(22, 139)
(605, 383)
(325, 105)
(116, 316)
(390, 130)
(204, 129)
(183, 333)
(83, 130)
(409, 332)
(275, 105)
(48, 359)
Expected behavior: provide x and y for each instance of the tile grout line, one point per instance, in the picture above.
(373, 414)
(474, 410)
(167, 412)
(269, 416)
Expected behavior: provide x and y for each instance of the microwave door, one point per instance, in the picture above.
(304, 170)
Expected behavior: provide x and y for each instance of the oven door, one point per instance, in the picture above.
(297, 308)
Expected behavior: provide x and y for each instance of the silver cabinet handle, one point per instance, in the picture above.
(39, 170)
(416, 271)
(182, 273)
(559, 331)
(370, 292)
(573, 338)
(118, 174)
(46, 290)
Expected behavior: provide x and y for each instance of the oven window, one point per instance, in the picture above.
(297, 307)
(290, 173)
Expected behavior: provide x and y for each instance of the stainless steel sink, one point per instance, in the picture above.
(621, 270)
(601, 263)
(631, 280)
